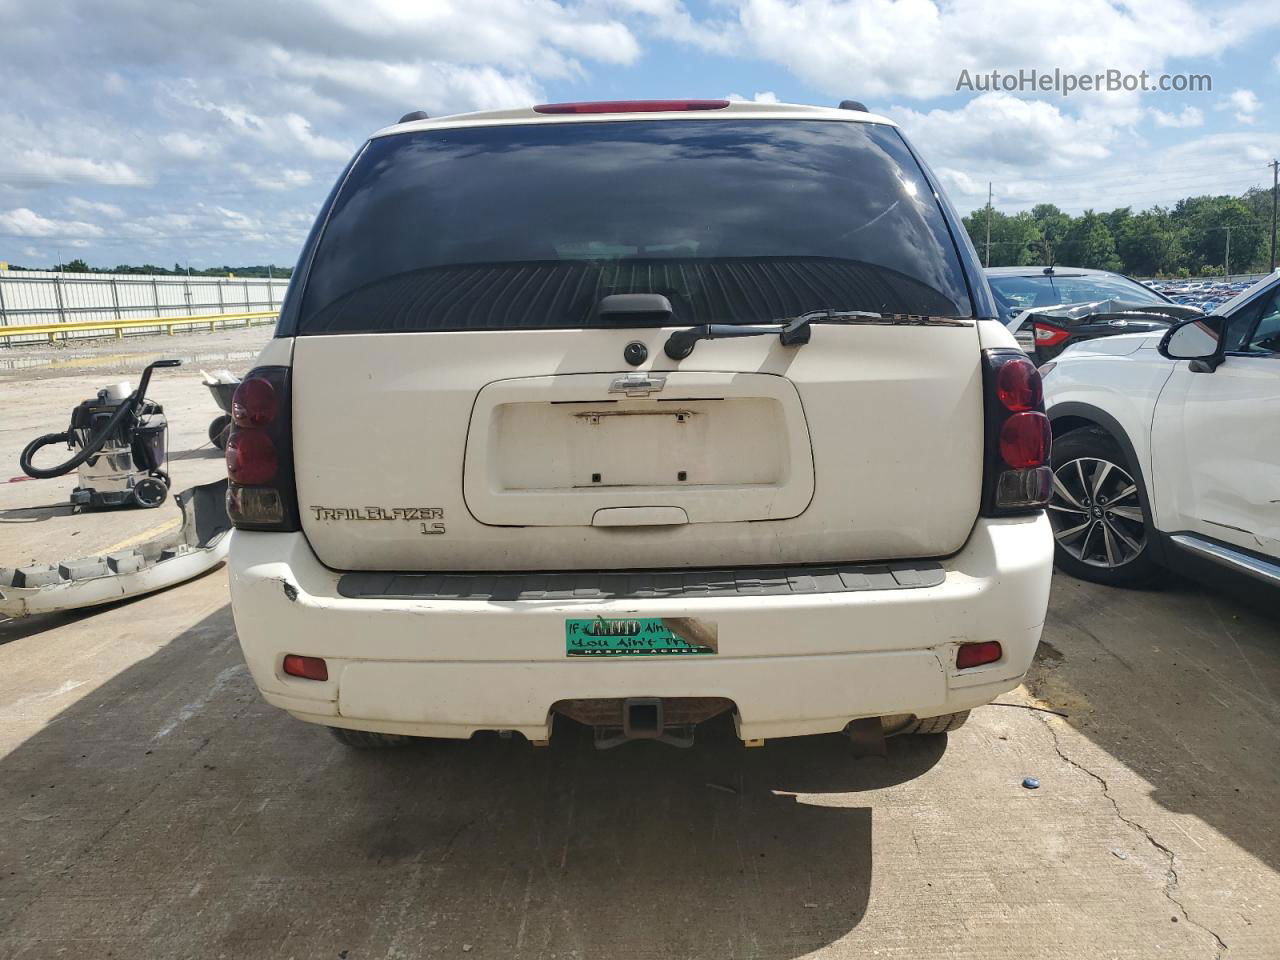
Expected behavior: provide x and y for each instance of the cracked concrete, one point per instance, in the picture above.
(1171, 875)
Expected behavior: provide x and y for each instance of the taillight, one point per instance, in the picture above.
(631, 106)
(261, 494)
(1016, 475)
(1047, 335)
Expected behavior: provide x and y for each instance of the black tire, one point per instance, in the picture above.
(219, 430)
(149, 492)
(1107, 540)
(367, 740)
(931, 726)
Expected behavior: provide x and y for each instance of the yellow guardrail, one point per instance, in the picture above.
(214, 320)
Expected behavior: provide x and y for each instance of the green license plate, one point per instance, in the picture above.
(639, 637)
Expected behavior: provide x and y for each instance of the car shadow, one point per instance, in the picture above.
(1181, 685)
(204, 823)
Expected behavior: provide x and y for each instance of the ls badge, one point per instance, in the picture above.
(429, 519)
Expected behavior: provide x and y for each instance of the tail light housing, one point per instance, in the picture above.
(261, 493)
(1047, 335)
(1017, 478)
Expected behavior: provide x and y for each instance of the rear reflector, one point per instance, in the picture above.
(308, 668)
(976, 654)
(631, 106)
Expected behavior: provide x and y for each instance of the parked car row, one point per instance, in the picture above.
(1205, 294)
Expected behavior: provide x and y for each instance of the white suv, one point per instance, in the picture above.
(636, 414)
(1167, 446)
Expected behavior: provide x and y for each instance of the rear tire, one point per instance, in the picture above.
(1101, 527)
(931, 726)
(367, 740)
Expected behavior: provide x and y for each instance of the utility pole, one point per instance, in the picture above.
(988, 262)
(1275, 190)
(1226, 266)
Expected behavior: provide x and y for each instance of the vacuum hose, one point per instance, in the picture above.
(95, 444)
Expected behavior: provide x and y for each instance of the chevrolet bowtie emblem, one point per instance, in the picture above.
(638, 384)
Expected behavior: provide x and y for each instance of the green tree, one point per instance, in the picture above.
(1206, 220)
(1015, 241)
(1053, 225)
(1088, 243)
(1149, 244)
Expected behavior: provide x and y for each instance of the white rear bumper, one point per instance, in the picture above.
(792, 664)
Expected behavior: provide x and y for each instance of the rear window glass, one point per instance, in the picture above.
(735, 221)
(1015, 294)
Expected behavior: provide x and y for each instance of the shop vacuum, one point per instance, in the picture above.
(121, 439)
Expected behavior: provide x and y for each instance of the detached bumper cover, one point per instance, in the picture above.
(419, 656)
(198, 545)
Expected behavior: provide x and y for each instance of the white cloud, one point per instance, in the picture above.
(188, 147)
(767, 96)
(82, 206)
(1189, 117)
(24, 222)
(36, 166)
(917, 48)
(1245, 103)
(671, 20)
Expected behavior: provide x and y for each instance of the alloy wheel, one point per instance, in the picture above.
(1095, 513)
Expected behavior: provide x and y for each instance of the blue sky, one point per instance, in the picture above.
(208, 133)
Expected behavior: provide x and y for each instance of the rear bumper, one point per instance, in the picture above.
(792, 664)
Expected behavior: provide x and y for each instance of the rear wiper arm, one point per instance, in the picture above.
(791, 331)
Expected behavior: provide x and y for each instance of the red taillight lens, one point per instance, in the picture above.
(1048, 335)
(1018, 385)
(1025, 439)
(308, 668)
(1015, 479)
(262, 494)
(251, 458)
(976, 654)
(631, 106)
(254, 403)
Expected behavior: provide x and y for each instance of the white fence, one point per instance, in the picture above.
(38, 297)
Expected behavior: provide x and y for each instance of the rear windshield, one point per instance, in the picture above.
(1015, 294)
(734, 221)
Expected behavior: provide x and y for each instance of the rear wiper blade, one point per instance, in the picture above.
(791, 331)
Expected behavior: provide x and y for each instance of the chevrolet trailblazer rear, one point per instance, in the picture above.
(635, 415)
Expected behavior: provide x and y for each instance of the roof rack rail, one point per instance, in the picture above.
(854, 105)
(415, 115)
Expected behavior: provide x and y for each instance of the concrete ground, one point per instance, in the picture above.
(154, 807)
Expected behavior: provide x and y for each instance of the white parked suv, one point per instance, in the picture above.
(1167, 446)
(636, 414)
